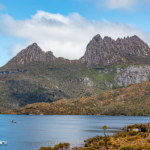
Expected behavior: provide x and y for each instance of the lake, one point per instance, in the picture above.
(31, 132)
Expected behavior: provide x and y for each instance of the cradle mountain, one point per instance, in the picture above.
(34, 76)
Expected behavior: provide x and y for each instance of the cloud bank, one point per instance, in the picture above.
(66, 36)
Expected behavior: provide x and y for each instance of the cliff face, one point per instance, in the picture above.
(108, 51)
(132, 75)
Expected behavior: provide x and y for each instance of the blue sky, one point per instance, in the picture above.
(66, 26)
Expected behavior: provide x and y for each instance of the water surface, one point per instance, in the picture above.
(32, 132)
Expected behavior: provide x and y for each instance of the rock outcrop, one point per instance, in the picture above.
(108, 51)
(132, 75)
(33, 53)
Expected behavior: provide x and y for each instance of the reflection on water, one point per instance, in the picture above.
(35, 131)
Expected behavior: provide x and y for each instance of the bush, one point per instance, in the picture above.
(109, 143)
(94, 139)
(61, 145)
(133, 133)
(101, 143)
(138, 126)
(126, 148)
(120, 134)
(143, 134)
(45, 148)
(132, 138)
(148, 140)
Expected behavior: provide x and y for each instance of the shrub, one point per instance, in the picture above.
(138, 126)
(120, 134)
(66, 145)
(87, 145)
(148, 140)
(126, 147)
(132, 138)
(109, 143)
(61, 145)
(143, 134)
(101, 143)
(45, 148)
(133, 133)
(88, 140)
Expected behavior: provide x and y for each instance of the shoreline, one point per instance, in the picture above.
(132, 137)
(70, 115)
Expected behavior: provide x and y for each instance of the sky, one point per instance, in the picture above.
(65, 27)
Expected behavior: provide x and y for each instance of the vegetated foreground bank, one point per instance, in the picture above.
(133, 100)
(133, 137)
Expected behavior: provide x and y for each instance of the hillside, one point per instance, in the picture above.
(130, 100)
(36, 76)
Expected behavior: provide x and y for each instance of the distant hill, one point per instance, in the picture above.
(35, 76)
(131, 100)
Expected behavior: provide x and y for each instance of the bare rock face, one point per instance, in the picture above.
(33, 53)
(132, 75)
(87, 82)
(50, 56)
(108, 51)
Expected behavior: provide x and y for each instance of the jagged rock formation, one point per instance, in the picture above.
(98, 52)
(108, 51)
(33, 53)
(132, 75)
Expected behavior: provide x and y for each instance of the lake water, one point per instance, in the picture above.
(32, 132)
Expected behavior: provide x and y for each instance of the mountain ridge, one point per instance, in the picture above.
(107, 51)
(36, 76)
(99, 51)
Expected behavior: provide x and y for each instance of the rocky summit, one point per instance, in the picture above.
(108, 51)
(34, 76)
(99, 51)
(32, 53)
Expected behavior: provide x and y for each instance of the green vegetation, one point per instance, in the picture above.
(49, 82)
(60, 146)
(133, 100)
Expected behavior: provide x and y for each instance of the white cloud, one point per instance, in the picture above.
(127, 5)
(66, 36)
(2, 7)
(120, 4)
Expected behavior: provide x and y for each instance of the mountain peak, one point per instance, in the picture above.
(33, 47)
(97, 37)
(33, 53)
(108, 51)
(35, 44)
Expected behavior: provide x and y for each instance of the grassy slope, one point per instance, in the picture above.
(130, 100)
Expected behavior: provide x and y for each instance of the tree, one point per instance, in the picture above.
(105, 128)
